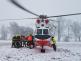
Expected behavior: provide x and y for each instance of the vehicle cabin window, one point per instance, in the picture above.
(39, 31)
(45, 31)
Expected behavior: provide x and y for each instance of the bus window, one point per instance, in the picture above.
(45, 31)
(39, 31)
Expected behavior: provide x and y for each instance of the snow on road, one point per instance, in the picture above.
(65, 52)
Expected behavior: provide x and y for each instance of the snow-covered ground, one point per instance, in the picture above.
(70, 51)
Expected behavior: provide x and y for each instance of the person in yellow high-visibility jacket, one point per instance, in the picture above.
(53, 43)
(53, 40)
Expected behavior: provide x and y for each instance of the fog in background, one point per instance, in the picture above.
(67, 29)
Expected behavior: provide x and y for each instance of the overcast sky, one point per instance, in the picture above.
(47, 7)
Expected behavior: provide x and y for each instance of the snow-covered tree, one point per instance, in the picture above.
(61, 27)
(76, 28)
(3, 33)
(25, 30)
(16, 29)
